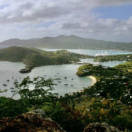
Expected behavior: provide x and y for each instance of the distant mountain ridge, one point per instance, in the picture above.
(67, 42)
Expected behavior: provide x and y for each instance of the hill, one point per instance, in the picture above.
(32, 57)
(67, 42)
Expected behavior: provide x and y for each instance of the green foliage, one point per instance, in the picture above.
(109, 100)
(36, 91)
(126, 57)
(33, 93)
(114, 112)
(11, 108)
(112, 96)
(126, 67)
(38, 94)
(108, 87)
(123, 121)
(98, 71)
(68, 118)
(112, 82)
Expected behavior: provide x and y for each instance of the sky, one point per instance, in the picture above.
(99, 19)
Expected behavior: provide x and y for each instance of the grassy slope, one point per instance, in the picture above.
(35, 57)
(126, 67)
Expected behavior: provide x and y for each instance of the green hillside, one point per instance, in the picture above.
(125, 57)
(34, 57)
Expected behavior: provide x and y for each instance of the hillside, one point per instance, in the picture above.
(127, 57)
(103, 107)
(34, 57)
(67, 42)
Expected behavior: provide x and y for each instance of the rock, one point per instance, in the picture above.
(25, 70)
(38, 112)
(33, 121)
(100, 127)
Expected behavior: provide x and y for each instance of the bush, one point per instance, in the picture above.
(11, 108)
(123, 121)
(65, 116)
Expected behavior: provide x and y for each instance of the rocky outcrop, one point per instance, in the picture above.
(25, 70)
(30, 122)
(100, 127)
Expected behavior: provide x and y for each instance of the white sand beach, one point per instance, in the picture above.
(94, 80)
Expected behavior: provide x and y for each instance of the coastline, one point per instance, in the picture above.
(94, 80)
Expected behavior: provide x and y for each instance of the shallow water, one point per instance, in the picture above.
(64, 77)
(106, 64)
(93, 52)
(99, 52)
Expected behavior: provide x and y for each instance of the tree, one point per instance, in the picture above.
(36, 91)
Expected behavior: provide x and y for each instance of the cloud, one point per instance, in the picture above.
(30, 11)
(30, 18)
(106, 29)
(114, 2)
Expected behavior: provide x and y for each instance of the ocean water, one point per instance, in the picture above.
(93, 52)
(64, 77)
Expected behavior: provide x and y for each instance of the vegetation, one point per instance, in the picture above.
(109, 100)
(126, 67)
(40, 96)
(126, 57)
(114, 83)
(35, 57)
(97, 109)
(10, 107)
(98, 71)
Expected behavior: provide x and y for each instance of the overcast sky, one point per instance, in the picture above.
(99, 19)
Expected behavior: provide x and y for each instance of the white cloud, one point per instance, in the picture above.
(19, 19)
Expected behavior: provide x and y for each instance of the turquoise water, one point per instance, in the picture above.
(93, 52)
(100, 52)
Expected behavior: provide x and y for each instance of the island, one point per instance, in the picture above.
(122, 57)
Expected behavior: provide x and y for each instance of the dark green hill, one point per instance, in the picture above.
(35, 57)
(15, 54)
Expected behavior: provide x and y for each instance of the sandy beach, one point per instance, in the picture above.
(94, 80)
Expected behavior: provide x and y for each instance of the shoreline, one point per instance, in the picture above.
(94, 80)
